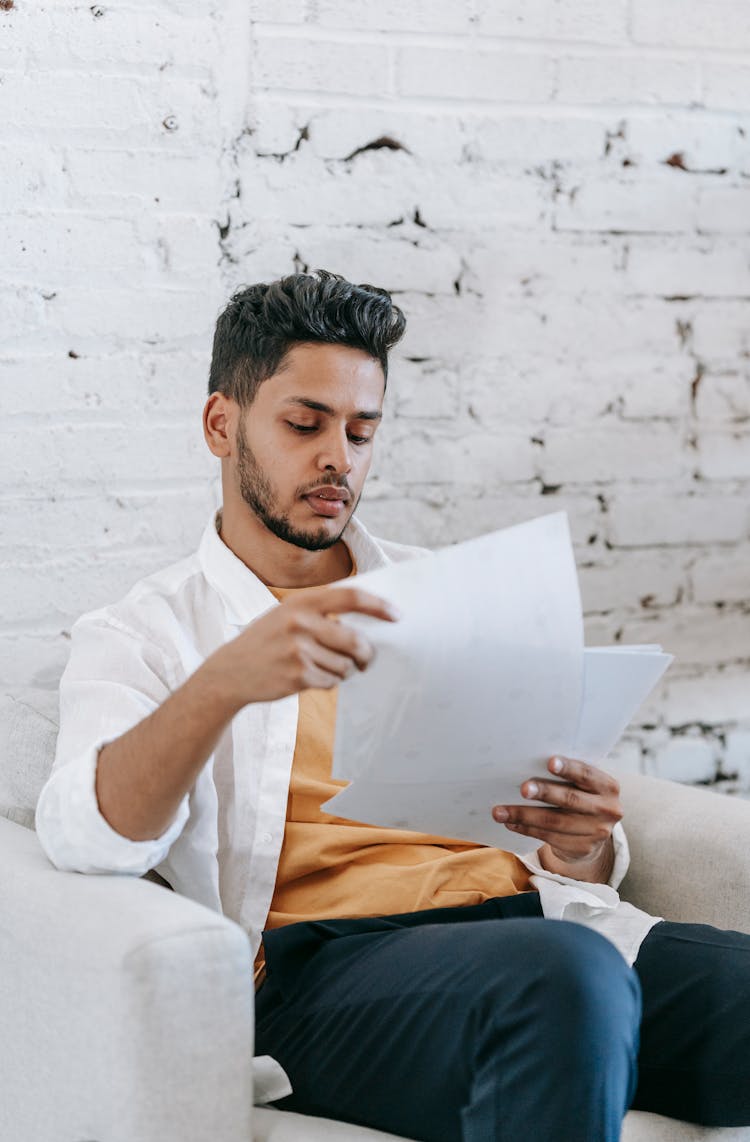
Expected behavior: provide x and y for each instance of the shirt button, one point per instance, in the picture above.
(267, 838)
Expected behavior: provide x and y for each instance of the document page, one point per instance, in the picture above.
(482, 680)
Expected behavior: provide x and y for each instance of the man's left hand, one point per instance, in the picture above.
(577, 828)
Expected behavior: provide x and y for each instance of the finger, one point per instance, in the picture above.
(339, 600)
(329, 666)
(566, 846)
(586, 776)
(343, 640)
(553, 820)
(572, 798)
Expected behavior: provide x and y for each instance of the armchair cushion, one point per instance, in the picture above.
(28, 731)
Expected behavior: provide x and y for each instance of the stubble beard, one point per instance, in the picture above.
(260, 496)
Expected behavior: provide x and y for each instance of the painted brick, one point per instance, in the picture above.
(722, 578)
(700, 142)
(726, 85)
(105, 522)
(467, 204)
(654, 206)
(721, 333)
(640, 580)
(393, 16)
(724, 397)
(394, 262)
(279, 11)
(712, 699)
(697, 636)
(722, 24)
(536, 266)
(724, 455)
(432, 324)
(626, 79)
(163, 315)
(711, 269)
(736, 758)
(182, 247)
(603, 455)
(724, 210)
(424, 390)
(497, 76)
(24, 315)
(258, 259)
(687, 759)
(30, 175)
(106, 455)
(60, 387)
(516, 390)
(337, 132)
(137, 180)
(61, 245)
(504, 137)
(647, 388)
(344, 192)
(448, 518)
(675, 519)
(125, 109)
(320, 65)
(69, 36)
(477, 460)
(586, 20)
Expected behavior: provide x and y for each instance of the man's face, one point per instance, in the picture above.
(304, 446)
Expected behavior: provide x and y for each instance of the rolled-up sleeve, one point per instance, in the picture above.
(114, 679)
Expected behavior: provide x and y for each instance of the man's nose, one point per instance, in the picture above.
(336, 454)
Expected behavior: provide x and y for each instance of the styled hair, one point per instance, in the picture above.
(263, 322)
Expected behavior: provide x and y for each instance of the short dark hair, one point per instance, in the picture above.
(263, 322)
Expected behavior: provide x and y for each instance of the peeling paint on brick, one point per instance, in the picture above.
(384, 143)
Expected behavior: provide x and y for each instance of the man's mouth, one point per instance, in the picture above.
(328, 500)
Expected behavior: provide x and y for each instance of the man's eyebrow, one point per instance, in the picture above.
(318, 406)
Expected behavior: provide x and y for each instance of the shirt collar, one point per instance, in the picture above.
(244, 595)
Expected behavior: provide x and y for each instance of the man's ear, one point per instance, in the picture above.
(220, 424)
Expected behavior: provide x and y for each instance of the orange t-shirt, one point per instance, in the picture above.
(332, 867)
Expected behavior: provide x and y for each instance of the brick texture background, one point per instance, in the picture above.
(558, 192)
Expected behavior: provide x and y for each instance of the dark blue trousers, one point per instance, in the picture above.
(487, 1023)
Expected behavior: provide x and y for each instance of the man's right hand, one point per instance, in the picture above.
(297, 645)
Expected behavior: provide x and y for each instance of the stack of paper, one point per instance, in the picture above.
(483, 679)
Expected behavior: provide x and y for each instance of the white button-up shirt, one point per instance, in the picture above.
(222, 849)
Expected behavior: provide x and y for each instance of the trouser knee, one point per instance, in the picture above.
(573, 993)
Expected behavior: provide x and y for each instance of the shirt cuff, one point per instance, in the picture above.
(77, 838)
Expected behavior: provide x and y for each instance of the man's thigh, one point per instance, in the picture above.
(694, 1061)
(386, 1026)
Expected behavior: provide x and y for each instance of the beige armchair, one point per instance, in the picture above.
(126, 1010)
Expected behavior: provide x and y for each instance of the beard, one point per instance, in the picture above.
(261, 497)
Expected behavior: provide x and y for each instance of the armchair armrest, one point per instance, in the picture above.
(690, 852)
(126, 1010)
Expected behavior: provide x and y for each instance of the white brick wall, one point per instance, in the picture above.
(558, 191)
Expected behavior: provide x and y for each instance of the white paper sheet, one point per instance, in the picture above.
(482, 680)
(617, 679)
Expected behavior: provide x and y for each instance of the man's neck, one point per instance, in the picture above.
(276, 562)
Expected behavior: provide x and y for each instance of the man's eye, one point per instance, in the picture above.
(359, 439)
(302, 428)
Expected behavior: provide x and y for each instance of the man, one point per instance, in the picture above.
(405, 981)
